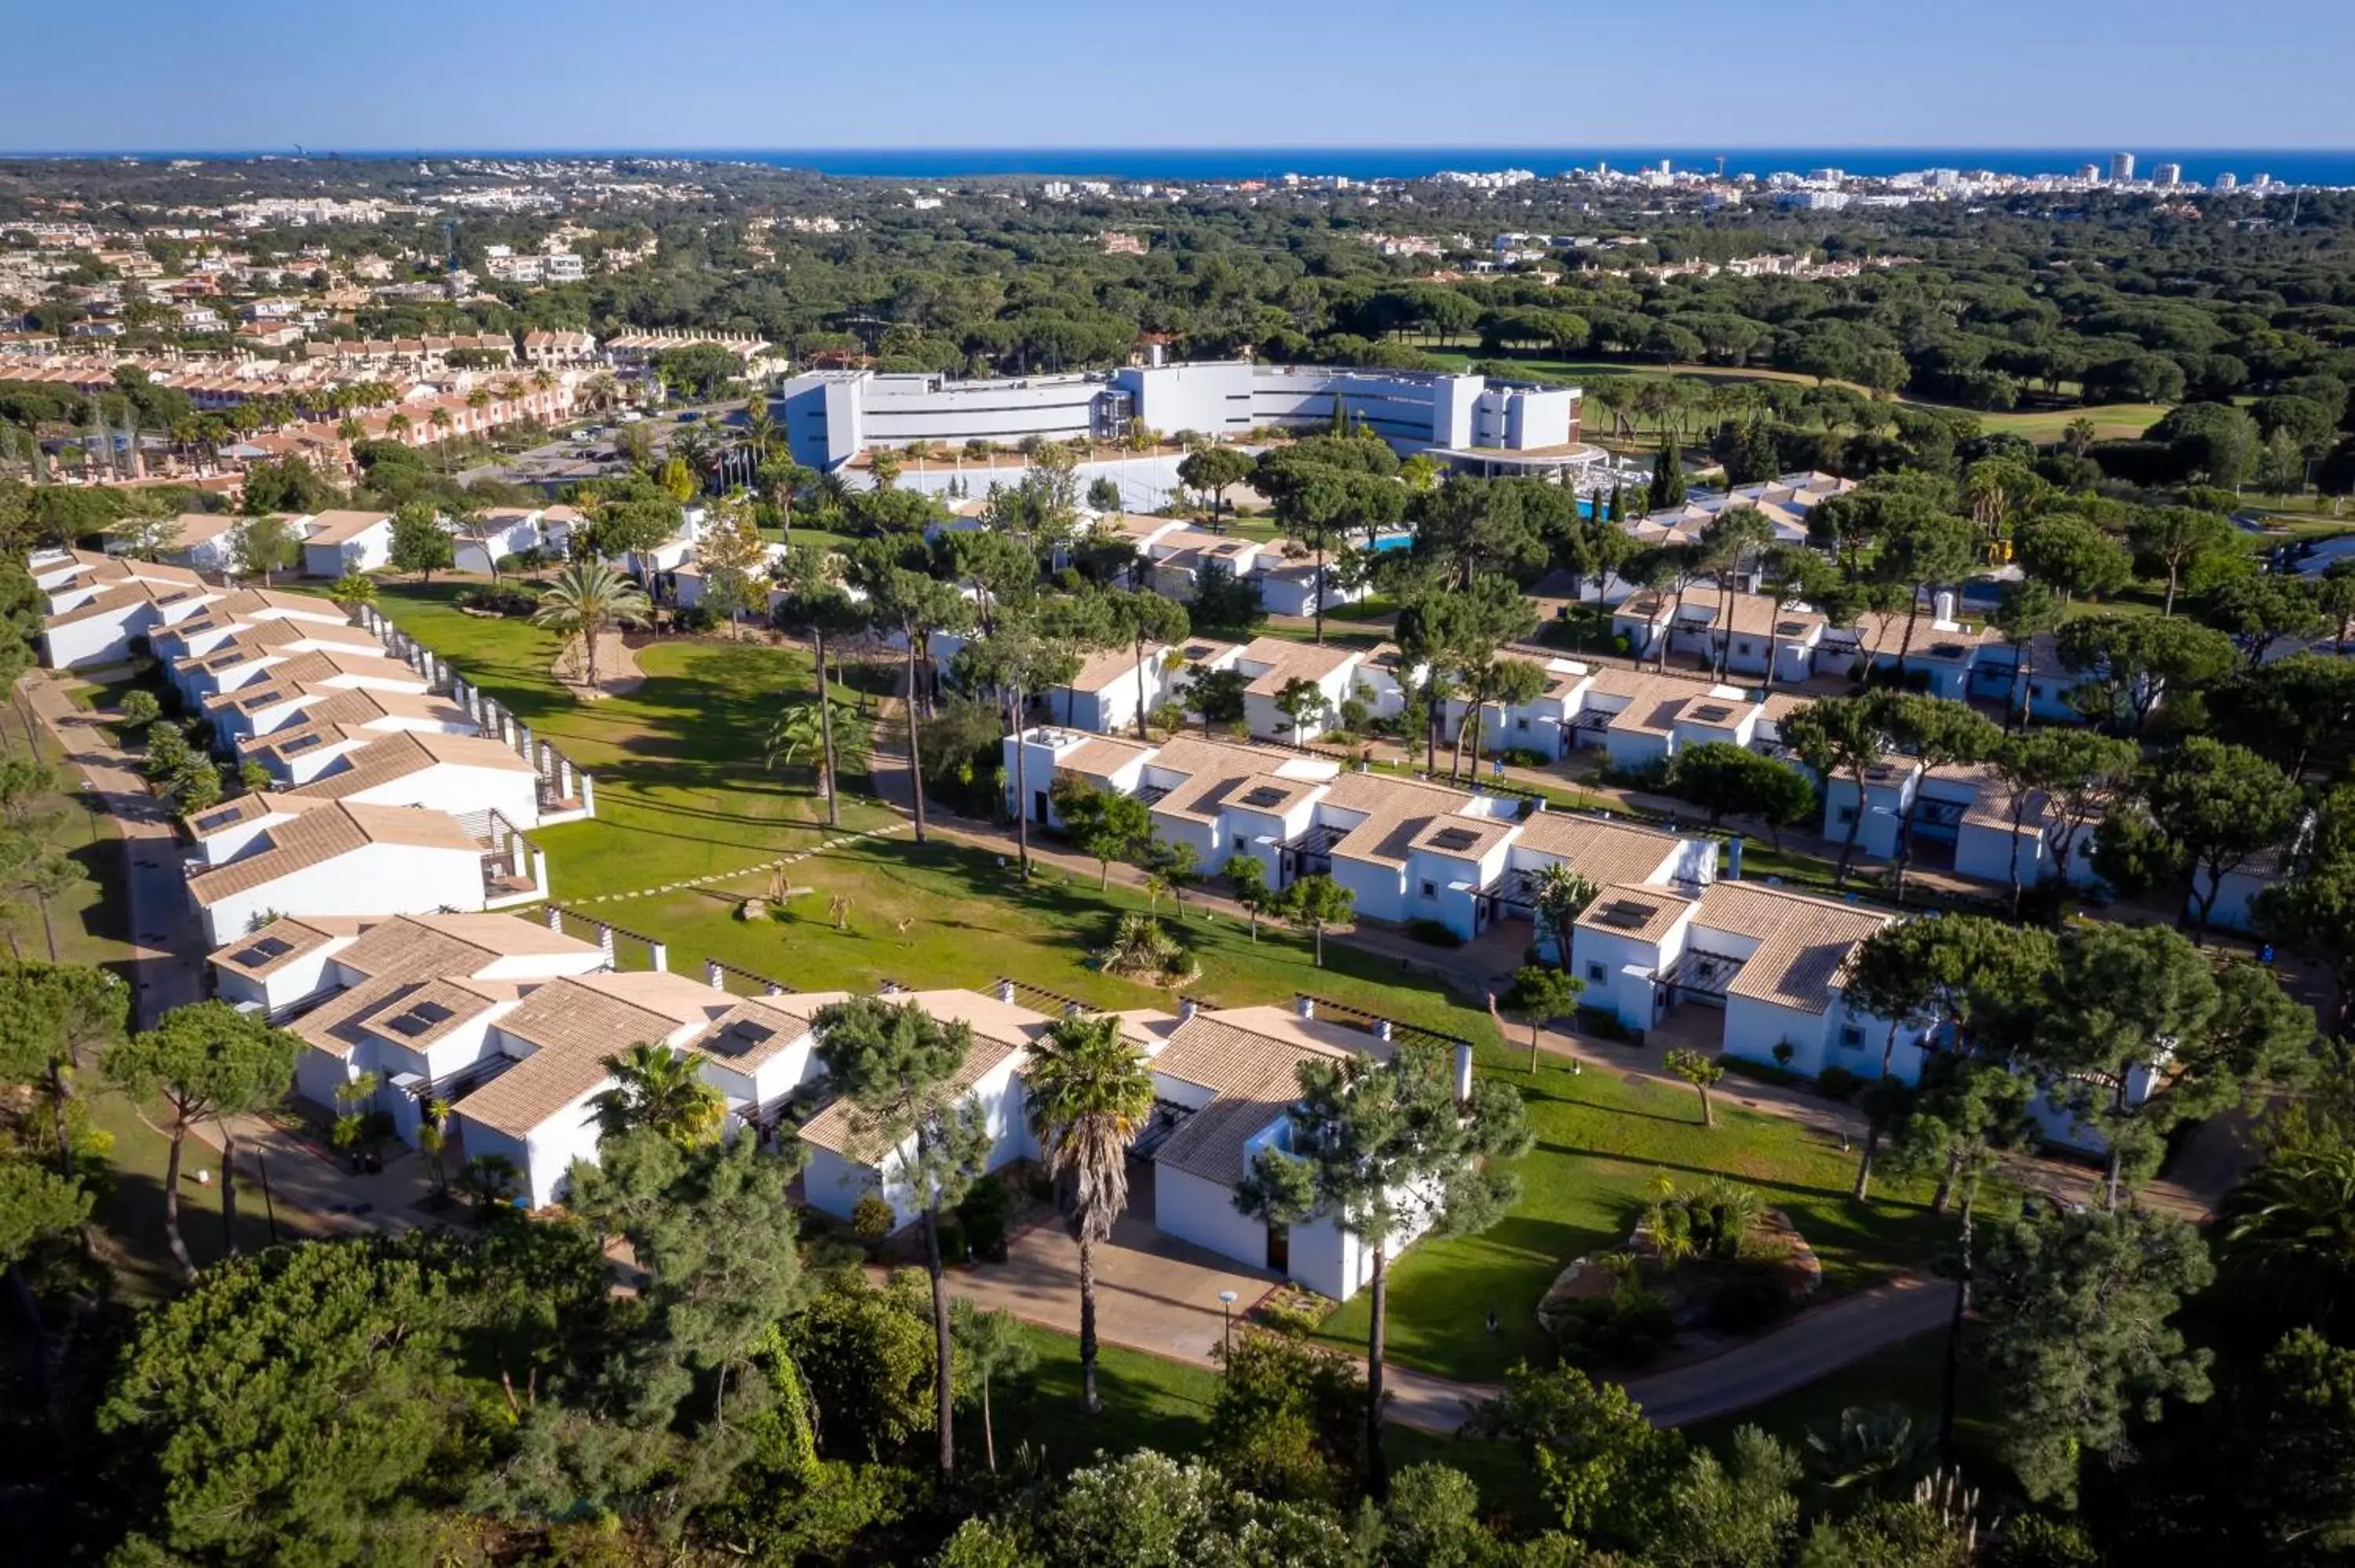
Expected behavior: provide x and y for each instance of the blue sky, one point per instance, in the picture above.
(268, 74)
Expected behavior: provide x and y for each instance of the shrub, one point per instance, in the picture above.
(872, 1218)
(694, 618)
(140, 708)
(1288, 1419)
(983, 1217)
(1629, 1328)
(1432, 933)
(954, 1249)
(1295, 1318)
(1524, 757)
(1836, 1083)
(1603, 1024)
(1747, 1300)
(1141, 949)
(505, 598)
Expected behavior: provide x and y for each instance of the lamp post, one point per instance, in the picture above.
(1227, 1313)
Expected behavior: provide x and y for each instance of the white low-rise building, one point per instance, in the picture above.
(267, 854)
(341, 543)
(1773, 961)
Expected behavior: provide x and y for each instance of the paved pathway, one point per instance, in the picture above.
(167, 950)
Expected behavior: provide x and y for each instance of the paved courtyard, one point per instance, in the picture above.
(1152, 1292)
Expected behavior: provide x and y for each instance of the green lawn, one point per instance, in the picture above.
(681, 792)
(1602, 1144)
(128, 1212)
(2111, 421)
(1152, 1402)
(89, 924)
(968, 920)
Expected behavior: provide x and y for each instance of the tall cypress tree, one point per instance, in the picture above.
(1668, 479)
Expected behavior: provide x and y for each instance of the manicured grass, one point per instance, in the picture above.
(1601, 1146)
(968, 920)
(681, 792)
(1149, 1401)
(2111, 421)
(129, 1213)
(90, 922)
(1152, 1403)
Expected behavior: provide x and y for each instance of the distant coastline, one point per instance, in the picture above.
(2305, 166)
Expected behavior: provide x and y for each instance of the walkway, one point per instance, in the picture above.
(1161, 1295)
(167, 951)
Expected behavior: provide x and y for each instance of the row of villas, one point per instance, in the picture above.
(1663, 933)
(511, 1021)
(392, 787)
(339, 542)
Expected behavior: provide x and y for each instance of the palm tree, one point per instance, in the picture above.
(2292, 1223)
(398, 428)
(799, 737)
(1089, 1092)
(660, 1091)
(584, 599)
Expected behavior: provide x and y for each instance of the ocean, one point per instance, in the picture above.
(1184, 165)
(2305, 166)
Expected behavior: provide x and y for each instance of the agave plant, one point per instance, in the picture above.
(1866, 1447)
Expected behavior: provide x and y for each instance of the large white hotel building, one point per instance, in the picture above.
(1471, 422)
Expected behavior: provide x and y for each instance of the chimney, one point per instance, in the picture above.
(658, 954)
(556, 919)
(1463, 1073)
(1186, 1008)
(711, 974)
(1381, 1029)
(1006, 991)
(1308, 1006)
(1942, 608)
(1734, 858)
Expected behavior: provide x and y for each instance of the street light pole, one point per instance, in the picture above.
(1227, 1312)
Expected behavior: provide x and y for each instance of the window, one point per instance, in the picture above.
(1430, 890)
(1846, 815)
(1744, 645)
(1851, 1037)
(1522, 725)
(1595, 972)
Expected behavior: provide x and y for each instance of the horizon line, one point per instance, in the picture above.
(683, 149)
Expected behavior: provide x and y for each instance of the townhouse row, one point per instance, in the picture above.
(392, 786)
(510, 1022)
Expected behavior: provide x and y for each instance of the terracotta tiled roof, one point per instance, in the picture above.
(336, 527)
(1804, 944)
(753, 1032)
(284, 940)
(1604, 853)
(390, 755)
(1395, 810)
(1631, 910)
(316, 837)
(1290, 661)
(1254, 1074)
(1103, 757)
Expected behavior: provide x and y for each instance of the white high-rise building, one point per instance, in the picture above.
(2167, 174)
(2228, 181)
(2121, 168)
(2089, 173)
